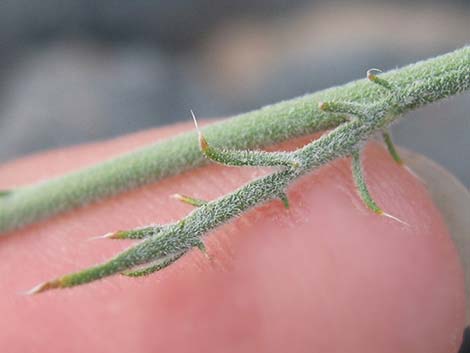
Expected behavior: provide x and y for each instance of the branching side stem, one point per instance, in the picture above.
(161, 245)
(418, 84)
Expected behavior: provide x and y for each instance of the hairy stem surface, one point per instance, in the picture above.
(419, 84)
(161, 245)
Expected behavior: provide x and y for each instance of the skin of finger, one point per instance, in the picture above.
(325, 275)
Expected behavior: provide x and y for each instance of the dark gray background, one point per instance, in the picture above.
(80, 70)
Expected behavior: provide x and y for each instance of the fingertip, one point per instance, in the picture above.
(325, 274)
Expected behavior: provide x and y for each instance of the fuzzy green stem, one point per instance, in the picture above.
(424, 82)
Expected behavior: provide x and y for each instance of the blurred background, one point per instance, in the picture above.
(79, 70)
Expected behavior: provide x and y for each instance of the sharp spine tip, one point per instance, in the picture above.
(110, 235)
(370, 74)
(202, 140)
(382, 213)
(177, 196)
(42, 287)
(195, 121)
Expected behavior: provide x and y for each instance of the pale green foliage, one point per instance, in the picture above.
(419, 83)
(355, 111)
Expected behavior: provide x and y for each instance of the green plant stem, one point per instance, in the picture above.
(423, 83)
